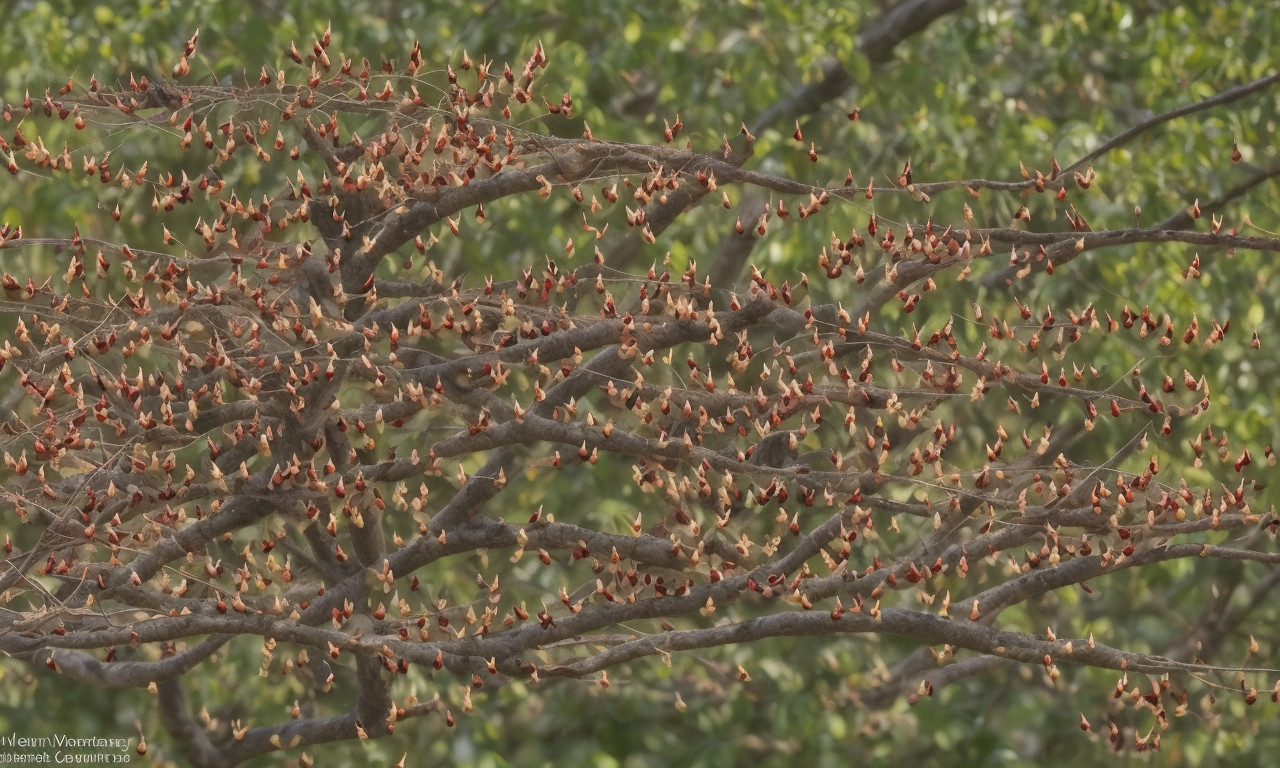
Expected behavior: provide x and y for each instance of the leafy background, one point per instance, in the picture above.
(974, 95)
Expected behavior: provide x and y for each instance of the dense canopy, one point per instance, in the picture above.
(564, 385)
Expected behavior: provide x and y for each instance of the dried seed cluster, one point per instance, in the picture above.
(252, 427)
